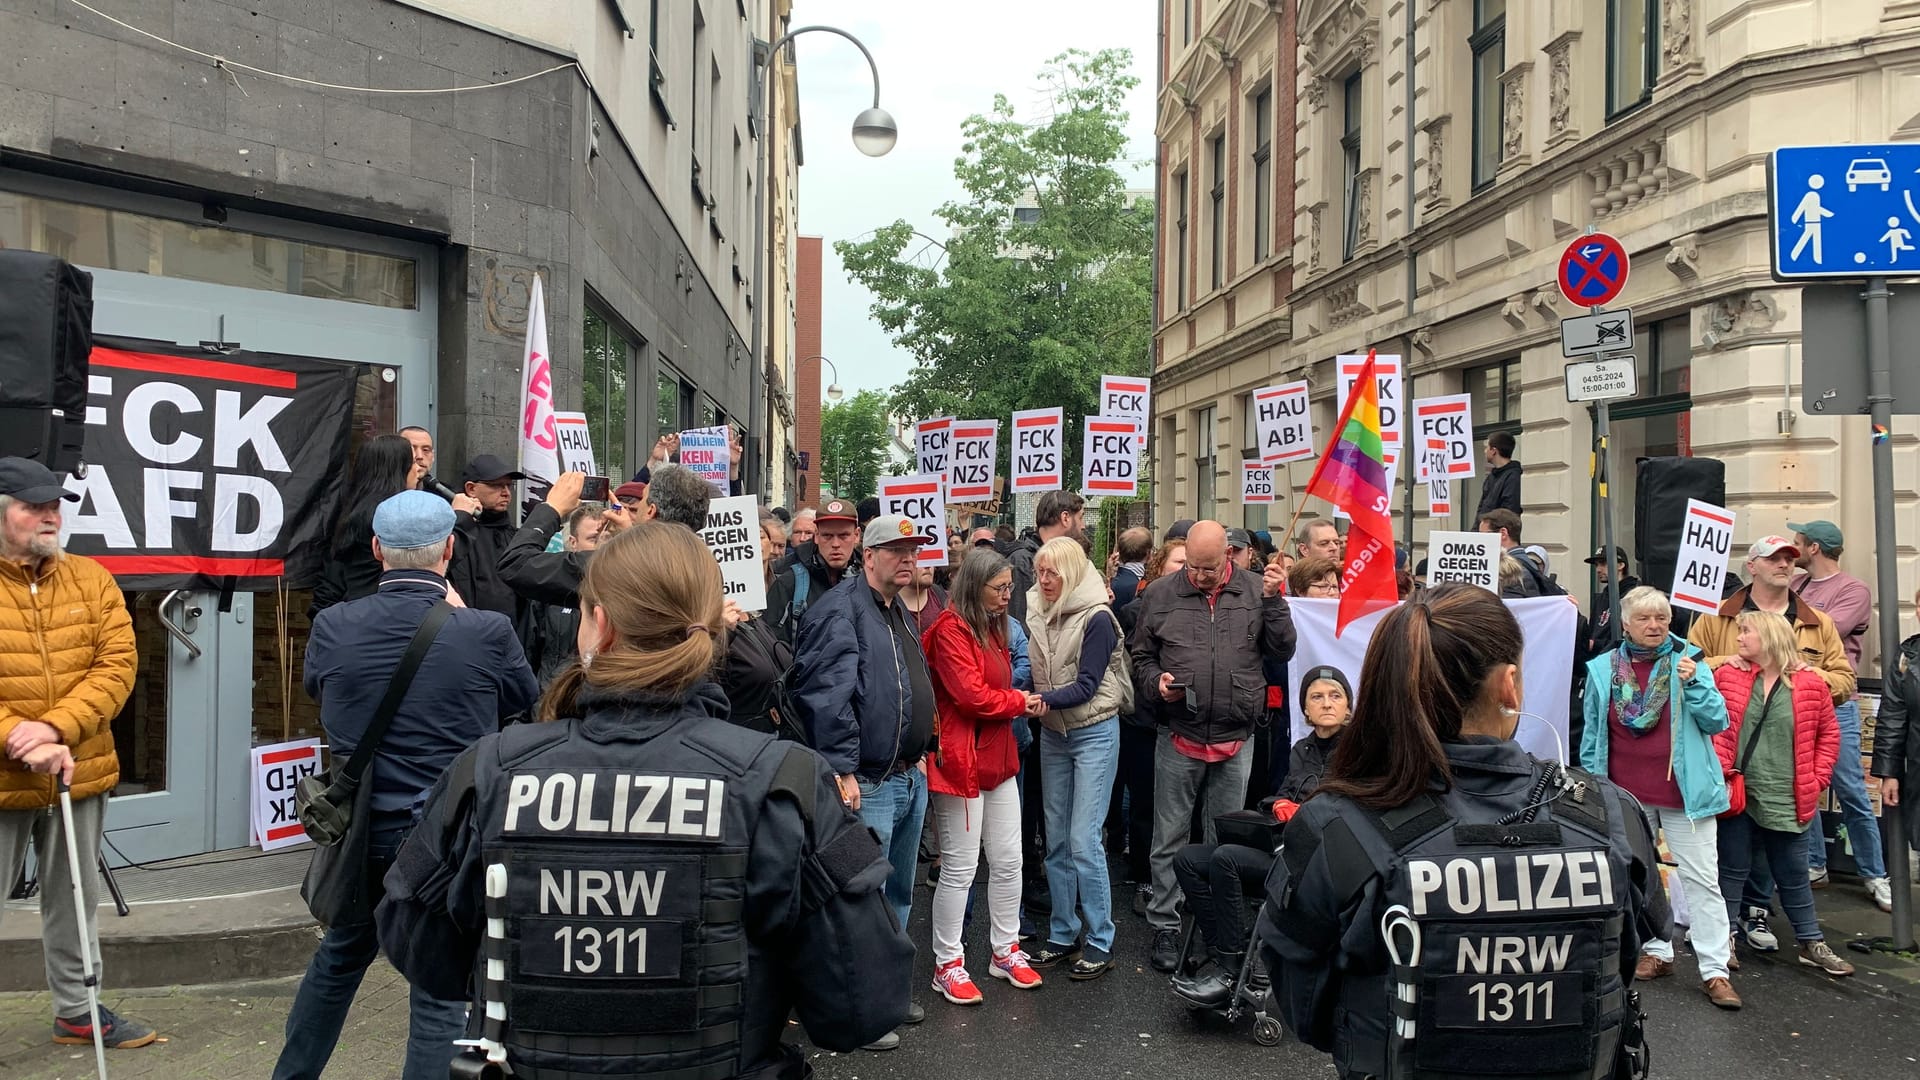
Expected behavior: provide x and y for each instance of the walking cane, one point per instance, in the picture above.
(1405, 1003)
(80, 927)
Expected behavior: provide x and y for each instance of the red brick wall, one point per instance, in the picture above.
(807, 373)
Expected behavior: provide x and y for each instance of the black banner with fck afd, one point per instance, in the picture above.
(210, 473)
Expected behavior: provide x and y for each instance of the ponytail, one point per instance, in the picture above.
(1426, 667)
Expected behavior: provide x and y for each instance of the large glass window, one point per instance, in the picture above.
(607, 358)
(670, 411)
(1263, 176)
(1633, 53)
(1489, 45)
(217, 255)
(1495, 389)
(1180, 243)
(1206, 489)
(1350, 164)
(1217, 210)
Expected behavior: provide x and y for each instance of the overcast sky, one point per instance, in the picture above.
(939, 64)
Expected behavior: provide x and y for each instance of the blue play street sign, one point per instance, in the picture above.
(1845, 211)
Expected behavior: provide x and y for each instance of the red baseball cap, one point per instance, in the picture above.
(837, 510)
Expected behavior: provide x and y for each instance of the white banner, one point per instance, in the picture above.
(539, 443)
(933, 447)
(1444, 424)
(921, 500)
(1705, 541)
(976, 444)
(733, 533)
(1039, 441)
(1125, 395)
(277, 768)
(1546, 663)
(1256, 482)
(705, 451)
(1110, 456)
(1472, 557)
(576, 443)
(1391, 419)
(1282, 423)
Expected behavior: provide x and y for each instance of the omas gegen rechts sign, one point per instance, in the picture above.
(207, 472)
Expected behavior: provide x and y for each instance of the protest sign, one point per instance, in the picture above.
(1439, 488)
(576, 443)
(1706, 538)
(277, 769)
(933, 447)
(1472, 557)
(1446, 424)
(1256, 482)
(1123, 395)
(1110, 456)
(1282, 424)
(733, 532)
(920, 499)
(1391, 420)
(1038, 460)
(976, 444)
(705, 451)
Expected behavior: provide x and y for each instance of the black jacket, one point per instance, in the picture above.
(781, 610)
(536, 574)
(351, 573)
(852, 681)
(553, 639)
(1307, 765)
(1501, 490)
(1216, 648)
(1896, 748)
(1021, 555)
(756, 662)
(476, 559)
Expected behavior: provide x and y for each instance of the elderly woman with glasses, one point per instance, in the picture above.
(1315, 575)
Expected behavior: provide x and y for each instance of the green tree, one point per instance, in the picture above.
(1030, 308)
(853, 444)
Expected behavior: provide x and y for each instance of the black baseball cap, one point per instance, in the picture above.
(31, 482)
(1600, 555)
(487, 469)
(1177, 530)
(1239, 539)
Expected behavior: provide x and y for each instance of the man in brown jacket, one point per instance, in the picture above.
(66, 668)
(1770, 573)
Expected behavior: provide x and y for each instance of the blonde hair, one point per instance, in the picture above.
(1069, 560)
(660, 588)
(1776, 637)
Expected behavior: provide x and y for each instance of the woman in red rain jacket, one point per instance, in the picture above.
(975, 800)
(1782, 739)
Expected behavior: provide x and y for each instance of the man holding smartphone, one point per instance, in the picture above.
(1197, 648)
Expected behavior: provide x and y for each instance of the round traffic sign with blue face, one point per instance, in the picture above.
(1593, 270)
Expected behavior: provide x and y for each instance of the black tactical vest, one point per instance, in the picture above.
(626, 868)
(1517, 972)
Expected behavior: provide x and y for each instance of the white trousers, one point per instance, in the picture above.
(1696, 853)
(966, 827)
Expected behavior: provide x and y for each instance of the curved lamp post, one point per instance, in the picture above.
(874, 133)
(833, 388)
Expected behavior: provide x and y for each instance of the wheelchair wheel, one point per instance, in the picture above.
(1267, 1031)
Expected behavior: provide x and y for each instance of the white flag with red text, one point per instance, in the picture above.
(539, 439)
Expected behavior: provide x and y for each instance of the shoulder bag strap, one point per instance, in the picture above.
(1766, 704)
(397, 689)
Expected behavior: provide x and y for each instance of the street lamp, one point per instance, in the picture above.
(833, 388)
(874, 133)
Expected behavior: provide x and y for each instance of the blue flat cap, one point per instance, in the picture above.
(412, 519)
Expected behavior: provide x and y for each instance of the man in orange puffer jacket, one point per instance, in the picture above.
(66, 668)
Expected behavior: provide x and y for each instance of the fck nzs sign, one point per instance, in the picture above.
(206, 472)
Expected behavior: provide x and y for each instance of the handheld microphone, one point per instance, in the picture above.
(438, 488)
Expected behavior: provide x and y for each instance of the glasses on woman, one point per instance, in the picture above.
(1324, 588)
(1003, 590)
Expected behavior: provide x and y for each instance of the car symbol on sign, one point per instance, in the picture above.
(1869, 171)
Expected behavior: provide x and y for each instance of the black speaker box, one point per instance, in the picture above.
(1660, 510)
(46, 336)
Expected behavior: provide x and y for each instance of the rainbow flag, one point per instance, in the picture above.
(1352, 475)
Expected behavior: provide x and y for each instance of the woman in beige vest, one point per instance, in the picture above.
(1081, 672)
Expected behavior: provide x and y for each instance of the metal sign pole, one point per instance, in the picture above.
(1880, 400)
(1603, 434)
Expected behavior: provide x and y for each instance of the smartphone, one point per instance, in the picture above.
(596, 489)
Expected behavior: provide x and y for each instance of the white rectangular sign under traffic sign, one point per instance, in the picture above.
(1600, 332)
(1609, 378)
(1706, 538)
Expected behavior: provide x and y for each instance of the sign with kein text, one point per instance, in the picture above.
(705, 451)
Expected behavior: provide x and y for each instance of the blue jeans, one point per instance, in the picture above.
(1785, 853)
(1076, 772)
(1850, 788)
(895, 809)
(326, 993)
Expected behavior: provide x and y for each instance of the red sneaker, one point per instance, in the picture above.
(954, 984)
(1014, 967)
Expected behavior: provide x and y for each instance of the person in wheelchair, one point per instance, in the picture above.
(1215, 878)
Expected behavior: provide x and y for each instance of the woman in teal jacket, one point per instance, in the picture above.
(1651, 710)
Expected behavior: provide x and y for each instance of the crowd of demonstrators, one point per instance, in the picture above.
(384, 466)
(67, 659)
(472, 677)
(1130, 814)
(1501, 488)
(1197, 651)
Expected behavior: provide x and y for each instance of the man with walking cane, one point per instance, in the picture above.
(66, 668)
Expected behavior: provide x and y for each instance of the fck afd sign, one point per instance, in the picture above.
(277, 769)
(206, 472)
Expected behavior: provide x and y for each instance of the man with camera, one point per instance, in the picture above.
(472, 676)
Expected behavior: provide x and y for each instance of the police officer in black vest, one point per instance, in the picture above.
(637, 887)
(1448, 905)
